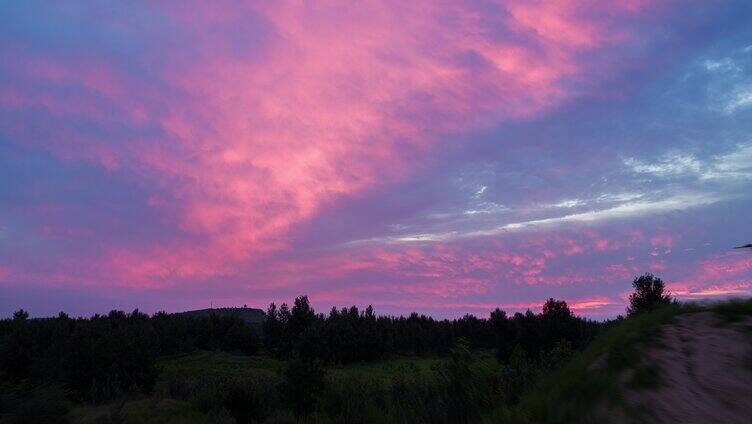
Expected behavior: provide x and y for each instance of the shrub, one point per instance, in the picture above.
(247, 400)
(27, 404)
(302, 382)
(648, 294)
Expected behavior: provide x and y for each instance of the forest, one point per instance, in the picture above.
(304, 367)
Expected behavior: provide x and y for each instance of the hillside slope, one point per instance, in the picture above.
(684, 363)
(704, 371)
(252, 317)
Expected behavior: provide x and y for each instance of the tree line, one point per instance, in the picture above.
(349, 334)
(104, 356)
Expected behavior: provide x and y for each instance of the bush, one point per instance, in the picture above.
(648, 294)
(303, 381)
(246, 400)
(42, 404)
(517, 375)
(464, 396)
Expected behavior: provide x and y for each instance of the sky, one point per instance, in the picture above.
(444, 157)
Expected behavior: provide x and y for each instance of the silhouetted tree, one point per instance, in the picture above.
(302, 382)
(20, 315)
(556, 310)
(348, 334)
(30, 404)
(240, 337)
(648, 294)
(516, 375)
(106, 355)
(503, 332)
(301, 316)
(462, 393)
(557, 324)
(272, 328)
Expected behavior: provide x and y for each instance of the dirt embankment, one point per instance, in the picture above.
(704, 372)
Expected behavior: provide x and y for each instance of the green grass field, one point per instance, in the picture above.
(145, 411)
(221, 364)
(210, 366)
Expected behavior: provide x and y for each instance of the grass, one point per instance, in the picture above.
(385, 370)
(585, 389)
(218, 364)
(145, 411)
(645, 377)
(733, 310)
(591, 381)
(388, 369)
(205, 364)
(203, 379)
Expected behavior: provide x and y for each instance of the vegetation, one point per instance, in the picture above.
(349, 335)
(252, 317)
(733, 310)
(349, 366)
(301, 383)
(592, 378)
(648, 294)
(103, 357)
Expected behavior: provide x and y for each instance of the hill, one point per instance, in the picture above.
(704, 368)
(253, 317)
(683, 363)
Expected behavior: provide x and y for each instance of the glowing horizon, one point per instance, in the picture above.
(446, 158)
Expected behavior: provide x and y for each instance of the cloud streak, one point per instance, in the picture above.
(228, 146)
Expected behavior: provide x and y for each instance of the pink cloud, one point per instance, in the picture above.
(335, 103)
(246, 125)
(622, 270)
(723, 275)
(598, 305)
(663, 240)
(591, 303)
(5, 274)
(724, 290)
(448, 269)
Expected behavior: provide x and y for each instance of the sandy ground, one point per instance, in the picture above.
(705, 373)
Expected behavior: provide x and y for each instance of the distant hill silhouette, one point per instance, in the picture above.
(253, 317)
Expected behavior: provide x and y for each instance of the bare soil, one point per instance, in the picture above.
(704, 368)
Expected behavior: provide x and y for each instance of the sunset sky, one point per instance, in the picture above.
(446, 157)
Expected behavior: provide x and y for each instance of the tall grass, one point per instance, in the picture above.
(459, 389)
(733, 310)
(588, 384)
